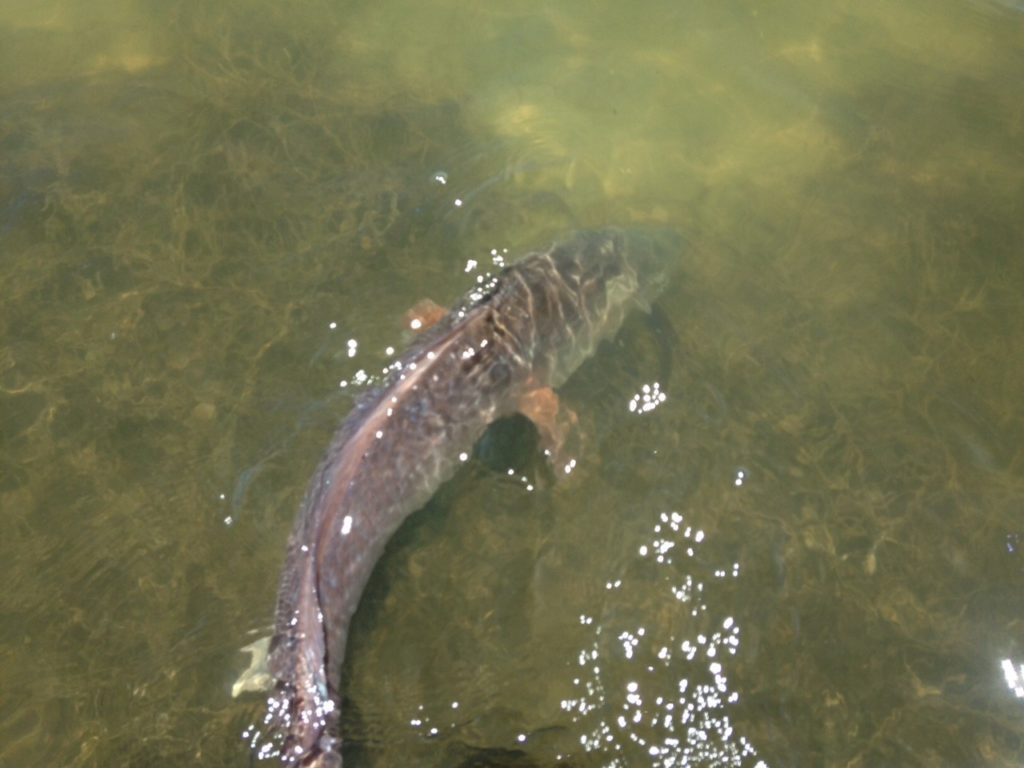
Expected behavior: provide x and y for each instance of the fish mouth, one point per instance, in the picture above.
(655, 255)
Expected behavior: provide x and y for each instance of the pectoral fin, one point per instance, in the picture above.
(422, 315)
(557, 426)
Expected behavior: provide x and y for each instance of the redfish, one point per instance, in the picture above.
(488, 358)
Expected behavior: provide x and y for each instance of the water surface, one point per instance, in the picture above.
(806, 553)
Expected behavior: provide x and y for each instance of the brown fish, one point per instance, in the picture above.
(485, 360)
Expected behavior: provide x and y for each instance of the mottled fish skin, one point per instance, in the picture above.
(542, 317)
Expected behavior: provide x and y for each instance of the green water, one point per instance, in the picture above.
(807, 554)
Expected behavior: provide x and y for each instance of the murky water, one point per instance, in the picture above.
(806, 553)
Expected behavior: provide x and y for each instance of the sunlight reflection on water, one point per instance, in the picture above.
(674, 708)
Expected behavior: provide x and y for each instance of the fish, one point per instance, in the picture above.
(494, 354)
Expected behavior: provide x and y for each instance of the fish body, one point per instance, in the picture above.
(542, 316)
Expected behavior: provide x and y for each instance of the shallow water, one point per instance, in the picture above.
(807, 553)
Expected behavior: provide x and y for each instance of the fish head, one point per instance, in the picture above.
(620, 265)
(653, 256)
(618, 269)
(598, 278)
